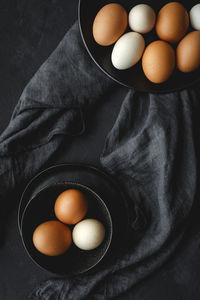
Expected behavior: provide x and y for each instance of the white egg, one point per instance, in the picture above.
(195, 16)
(142, 18)
(88, 234)
(128, 50)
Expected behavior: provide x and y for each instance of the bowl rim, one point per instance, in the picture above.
(91, 192)
(163, 91)
(97, 170)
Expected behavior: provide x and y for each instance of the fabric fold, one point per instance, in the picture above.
(57, 96)
(151, 151)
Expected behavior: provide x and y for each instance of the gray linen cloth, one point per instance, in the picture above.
(151, 150)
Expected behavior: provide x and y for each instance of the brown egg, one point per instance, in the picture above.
(52, 238)
(188, 52)
(172, 22)
(158, 61)
(109, 24)
(71, 206)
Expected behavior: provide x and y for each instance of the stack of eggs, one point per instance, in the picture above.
(159, 58)
(54, 237)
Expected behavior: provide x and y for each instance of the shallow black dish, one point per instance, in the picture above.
(133, 77)
(98, 181)
(41, 209)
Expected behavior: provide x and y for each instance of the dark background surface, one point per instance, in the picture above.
(29, 32)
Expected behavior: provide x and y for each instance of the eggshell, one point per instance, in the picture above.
(188, 52)
(195, 16)
(172, 22)
(127, 50)
(109, 24)
(88, 234)
(158, 61)
(71, 206)
(52, 238)
(142, 18)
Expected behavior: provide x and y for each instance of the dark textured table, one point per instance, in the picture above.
(29, 32)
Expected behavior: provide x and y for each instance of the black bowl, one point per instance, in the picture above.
(41, 208)
(133, 77)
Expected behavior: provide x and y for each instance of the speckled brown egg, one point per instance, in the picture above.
(158, 61)
(109, 24)
(52, 238)
(71, 206)
(188, 52)
(172, 22)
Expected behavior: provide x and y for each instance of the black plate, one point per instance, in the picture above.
(41, 209)
(133, 77)
(95, 179)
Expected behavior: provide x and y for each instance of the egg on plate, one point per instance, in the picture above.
(158, 61)
(88, 234)
(109, 24)
(142, 18)
(188, 52)
(52, 238)
(172, 22)
(128, 50)
(71, 206)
